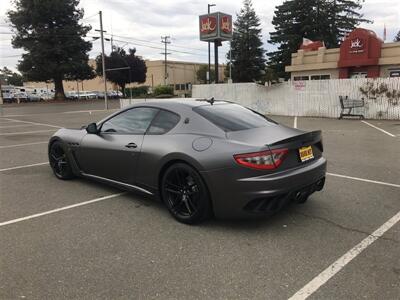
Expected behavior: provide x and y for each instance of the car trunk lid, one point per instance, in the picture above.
(282, 137)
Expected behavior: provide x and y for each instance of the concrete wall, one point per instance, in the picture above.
(316, 98)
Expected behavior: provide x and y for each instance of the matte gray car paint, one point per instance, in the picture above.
(104, 157)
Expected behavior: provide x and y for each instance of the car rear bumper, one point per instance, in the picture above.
(233, 196)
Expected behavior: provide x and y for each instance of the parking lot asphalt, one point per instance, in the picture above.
(56, 243)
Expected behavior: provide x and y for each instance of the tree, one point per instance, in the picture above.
(120, 59)
(51, 34)
(325, 20)
(270, 76)
(201, 74)
(397, 37)
(248, 61)
(9, 77)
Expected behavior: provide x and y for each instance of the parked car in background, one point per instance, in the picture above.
(14, 94)
(25, 94)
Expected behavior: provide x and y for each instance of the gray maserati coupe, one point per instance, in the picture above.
(199, 157)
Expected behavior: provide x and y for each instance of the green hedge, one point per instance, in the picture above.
(137, 91)
(163, 90)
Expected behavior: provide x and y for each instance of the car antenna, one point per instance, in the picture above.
(211, 100)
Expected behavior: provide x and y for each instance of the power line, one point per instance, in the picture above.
(158, 48)
(156, 43)
(10, 56)
(89, 17)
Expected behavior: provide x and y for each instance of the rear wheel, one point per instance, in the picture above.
(59, 161)
(185, 194)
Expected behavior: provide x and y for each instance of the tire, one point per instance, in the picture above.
(59, 162)
(185, 194)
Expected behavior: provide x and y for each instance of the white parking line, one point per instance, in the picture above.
(88, 111)
(34, 123)
(295, 122)
(7, 121)
(339, 264)
(14, 126)
(26, 132)
(365, 180)
(380, 129)
(24, 166)
(64, 112)
(20, 145)
(60, 209)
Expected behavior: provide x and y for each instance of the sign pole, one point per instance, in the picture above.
(208, 77)
(216, 61)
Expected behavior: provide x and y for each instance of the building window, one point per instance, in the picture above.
(394, 73)
(320, 77)
(298, 78)
(180, 87)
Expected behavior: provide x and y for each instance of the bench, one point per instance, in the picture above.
(346, 103)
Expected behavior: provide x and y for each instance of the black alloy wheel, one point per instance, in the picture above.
(185, 194)
(59, 162)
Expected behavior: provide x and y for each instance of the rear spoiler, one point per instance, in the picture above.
(303, 139)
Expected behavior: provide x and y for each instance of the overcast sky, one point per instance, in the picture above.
(140, 23)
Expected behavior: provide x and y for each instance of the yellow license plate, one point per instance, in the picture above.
(306, 153)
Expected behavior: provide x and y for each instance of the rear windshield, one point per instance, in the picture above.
(233, 117)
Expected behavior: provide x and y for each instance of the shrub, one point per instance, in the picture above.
(137, 91)
(163, 90)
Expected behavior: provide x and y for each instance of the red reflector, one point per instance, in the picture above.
(264, 160)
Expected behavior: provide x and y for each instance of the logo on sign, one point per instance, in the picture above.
(357, 43)
(226, 25)
(215, 27)
(356, 46)
(208, 25)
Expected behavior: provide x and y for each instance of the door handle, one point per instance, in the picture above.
(131, 145)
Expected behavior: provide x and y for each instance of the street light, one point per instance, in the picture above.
(209, 58)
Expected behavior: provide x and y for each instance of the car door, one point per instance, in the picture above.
(113, 152)
(157, 143)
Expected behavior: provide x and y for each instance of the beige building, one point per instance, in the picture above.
(181, 75)
(361, 55)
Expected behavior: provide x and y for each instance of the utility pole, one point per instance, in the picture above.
(103, 63)
(209, 49)
(165, 41)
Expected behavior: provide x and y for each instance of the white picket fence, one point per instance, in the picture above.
(315, 98)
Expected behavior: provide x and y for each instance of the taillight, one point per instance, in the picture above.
(264, 160)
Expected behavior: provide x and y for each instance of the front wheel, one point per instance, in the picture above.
(59, 161)
(185, 194)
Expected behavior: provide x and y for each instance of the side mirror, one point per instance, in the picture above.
(92, 128)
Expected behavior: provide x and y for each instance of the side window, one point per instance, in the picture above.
(134, 121)
(163, 122)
